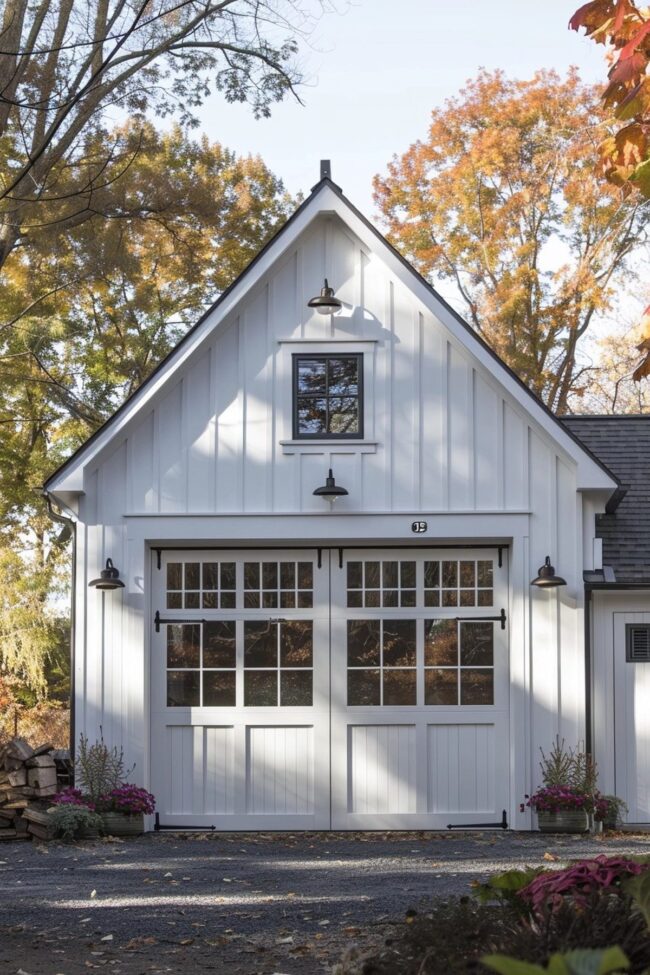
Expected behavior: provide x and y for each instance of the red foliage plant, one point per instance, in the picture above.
(578, 882)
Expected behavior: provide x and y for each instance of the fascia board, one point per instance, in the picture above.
(70, 478)
(590, 475)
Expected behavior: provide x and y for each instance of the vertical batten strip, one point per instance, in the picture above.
(447, 425)
(389, 383)
(419, 406)
(500, 458)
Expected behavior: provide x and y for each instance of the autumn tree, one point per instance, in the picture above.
(625, 154)
(86, 313)
(66, 67)
(502, 200)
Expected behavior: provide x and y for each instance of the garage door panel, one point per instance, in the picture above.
(196, 764)
(280, 770)
(382, 760)
(461, 768)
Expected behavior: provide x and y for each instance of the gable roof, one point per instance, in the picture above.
(327, 197)
(623, 443)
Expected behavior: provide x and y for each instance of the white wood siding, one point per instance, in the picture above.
(441, 434)
(212, 457)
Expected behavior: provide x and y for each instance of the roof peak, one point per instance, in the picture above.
(326, 176)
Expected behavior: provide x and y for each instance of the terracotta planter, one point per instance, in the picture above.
(563, 821)
(123, 824)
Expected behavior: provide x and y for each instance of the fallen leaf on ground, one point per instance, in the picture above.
(107, 937)
(93, 894)
(549, 856)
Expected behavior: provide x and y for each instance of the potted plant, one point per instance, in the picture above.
(124, 808)
(102, 788)
(610, 811)
(568, 796)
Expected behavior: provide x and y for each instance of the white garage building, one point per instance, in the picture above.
(277, 661)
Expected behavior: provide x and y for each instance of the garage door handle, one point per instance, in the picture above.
(501, 618)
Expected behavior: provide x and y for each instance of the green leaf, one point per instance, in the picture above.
(588, 961)
(505, 884)
(511, 966)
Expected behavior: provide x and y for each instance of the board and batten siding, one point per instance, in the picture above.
(213, 455)
(439, 434)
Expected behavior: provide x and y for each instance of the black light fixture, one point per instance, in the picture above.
(330, 490)
(546, 578)
(326, 303)
(109, 578)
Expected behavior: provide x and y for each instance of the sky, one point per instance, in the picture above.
(378, 69)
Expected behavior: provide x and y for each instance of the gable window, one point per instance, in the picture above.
(327, 396)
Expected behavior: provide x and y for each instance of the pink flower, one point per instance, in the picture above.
(72, 797)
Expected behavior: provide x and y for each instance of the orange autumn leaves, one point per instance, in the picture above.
(625, 155)
(502, 200)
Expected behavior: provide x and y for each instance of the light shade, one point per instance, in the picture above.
(330, 490)
(325, 303)
(546, 578)
(109, 578)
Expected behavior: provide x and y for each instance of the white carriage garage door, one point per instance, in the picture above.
(342, 689)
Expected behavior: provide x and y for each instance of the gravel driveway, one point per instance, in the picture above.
(240, 903)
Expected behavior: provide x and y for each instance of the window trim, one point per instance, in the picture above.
(297, 357)
(630, 656)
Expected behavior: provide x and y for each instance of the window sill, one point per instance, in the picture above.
(323, 446)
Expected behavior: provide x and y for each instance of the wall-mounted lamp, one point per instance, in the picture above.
(330, 490)
(546, 578)
(326, 303)
(109, 578)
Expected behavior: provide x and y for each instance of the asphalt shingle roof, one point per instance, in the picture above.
(622, 443)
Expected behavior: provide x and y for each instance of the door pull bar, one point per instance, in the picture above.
(501, 618)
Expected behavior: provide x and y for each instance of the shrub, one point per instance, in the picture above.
(69, 822)
(604, 920)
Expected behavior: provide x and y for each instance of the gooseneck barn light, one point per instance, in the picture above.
(326, 303)
(546, 578)
(109, 578)
(330, 490)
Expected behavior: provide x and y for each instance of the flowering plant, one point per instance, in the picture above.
(125, 798)
(72, 797)
(556, 798)
(129, 799)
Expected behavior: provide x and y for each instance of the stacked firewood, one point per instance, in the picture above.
(28, 778)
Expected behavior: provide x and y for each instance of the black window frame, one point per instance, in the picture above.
(299, 357)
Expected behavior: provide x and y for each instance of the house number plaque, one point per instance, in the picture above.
(418, 527)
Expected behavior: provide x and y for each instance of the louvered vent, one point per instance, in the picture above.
(638, 643)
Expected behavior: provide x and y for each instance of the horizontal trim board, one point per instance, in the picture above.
(616, 586)
(328, 342)
(325, 514)
(314, 548)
